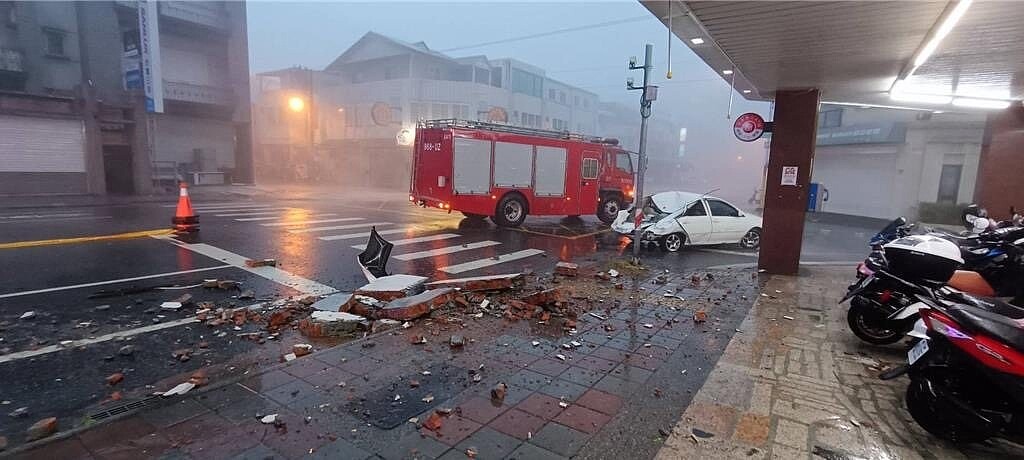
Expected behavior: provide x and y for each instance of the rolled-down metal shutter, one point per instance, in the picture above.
(41, 145)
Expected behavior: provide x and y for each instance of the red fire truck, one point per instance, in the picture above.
(506, 172)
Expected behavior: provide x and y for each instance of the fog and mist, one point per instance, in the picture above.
(591, 55)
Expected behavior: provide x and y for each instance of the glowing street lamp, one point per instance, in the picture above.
(296, 104)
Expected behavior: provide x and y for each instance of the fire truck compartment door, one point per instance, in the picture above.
(513, 165)
(472, 168)
(549, 179)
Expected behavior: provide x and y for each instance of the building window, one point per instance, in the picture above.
(576, 101)
(830, 118)
(527, 83)
(586, 103)
(54, 42)
(561, 97)
(949, 183)
(439, 111)
(551, 94)
(418, 111)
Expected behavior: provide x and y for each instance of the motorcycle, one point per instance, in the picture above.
(967, 376)
(880, 310)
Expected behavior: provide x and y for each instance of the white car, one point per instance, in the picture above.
(677, 219)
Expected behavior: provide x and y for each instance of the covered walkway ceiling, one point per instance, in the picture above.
(855, 51)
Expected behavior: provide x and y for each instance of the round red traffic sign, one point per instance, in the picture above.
(748, 127)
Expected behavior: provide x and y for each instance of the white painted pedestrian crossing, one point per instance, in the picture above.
(278, 217)
(252, 212)
(338, 227)
(296, 223)
(225, 206)
(445, 250)
(419, 239)
(350, 236)
(481, 263)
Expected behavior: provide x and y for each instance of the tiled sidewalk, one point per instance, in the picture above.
(807, 388)
(613, 396)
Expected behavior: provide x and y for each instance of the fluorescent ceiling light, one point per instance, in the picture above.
(944, 28)
(980, 103)
(697, 41)
(726, 72)
(921, 98)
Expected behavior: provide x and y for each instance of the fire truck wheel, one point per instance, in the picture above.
(608, 208)
(511, 211)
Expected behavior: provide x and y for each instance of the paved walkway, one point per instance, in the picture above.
(611, 390)
(805, 387)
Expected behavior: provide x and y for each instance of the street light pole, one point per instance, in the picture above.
(648, 94)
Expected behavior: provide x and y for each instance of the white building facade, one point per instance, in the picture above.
(886, 163)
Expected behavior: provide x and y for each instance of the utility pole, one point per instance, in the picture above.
(648, 94)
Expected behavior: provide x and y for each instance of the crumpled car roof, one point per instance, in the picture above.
(669, 202)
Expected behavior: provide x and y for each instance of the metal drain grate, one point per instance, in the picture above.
(124, 408)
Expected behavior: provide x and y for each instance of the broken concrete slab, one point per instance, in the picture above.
(545, 297)
(333, 302)
(301, 349)
(41, 429)
(363, 306)
(480, 283)
(410, 308)
(567, 269)
(253, 263)
(331, 324)
(392, 287)
(384, 324)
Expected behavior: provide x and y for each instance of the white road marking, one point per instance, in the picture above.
(100, 283)
(43, 216)
(419, 239)
(349, 236)
(253, 219)
(338, 227)
(481, 263)
(103, 338)
(221, 205)
(261, 208)
(733, 253)
(445, 250)
(308, 222)
(262, 212)
(306, 286)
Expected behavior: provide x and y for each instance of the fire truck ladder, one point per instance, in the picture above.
(503, 128)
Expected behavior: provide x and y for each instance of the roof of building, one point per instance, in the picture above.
(418, 47)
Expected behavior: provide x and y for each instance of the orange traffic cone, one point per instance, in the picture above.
(185, 219)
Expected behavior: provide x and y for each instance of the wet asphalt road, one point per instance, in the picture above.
(310, 238)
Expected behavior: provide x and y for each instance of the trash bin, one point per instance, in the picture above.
(817, 195)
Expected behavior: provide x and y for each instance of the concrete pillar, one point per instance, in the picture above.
(792, 145)
(1000, 169)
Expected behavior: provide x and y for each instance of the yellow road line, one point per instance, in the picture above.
(85, 239)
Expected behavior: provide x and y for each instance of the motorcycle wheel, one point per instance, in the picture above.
(928, 412)
(869, 325)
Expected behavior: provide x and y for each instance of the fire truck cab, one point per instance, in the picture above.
(507, 172)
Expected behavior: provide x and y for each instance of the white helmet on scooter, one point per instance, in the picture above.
(923, 258)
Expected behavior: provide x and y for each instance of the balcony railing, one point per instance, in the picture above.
(199, 94)
(209, 14)
(11, 60)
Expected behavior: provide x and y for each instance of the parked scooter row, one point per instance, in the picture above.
(967, 367)
(992, 266)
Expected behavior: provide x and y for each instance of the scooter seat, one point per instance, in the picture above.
(1004, 328)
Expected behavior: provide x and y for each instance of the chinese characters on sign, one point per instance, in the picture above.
(789, 175)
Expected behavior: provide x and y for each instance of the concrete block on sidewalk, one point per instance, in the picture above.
(410, 308)
(392, 287)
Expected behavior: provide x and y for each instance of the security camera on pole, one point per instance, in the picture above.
(647, 96)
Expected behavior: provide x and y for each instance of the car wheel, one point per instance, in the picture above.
(752, 239)
(673, 242)
(608, 209)
(511, 211)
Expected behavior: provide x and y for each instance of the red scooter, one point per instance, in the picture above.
(967, 377)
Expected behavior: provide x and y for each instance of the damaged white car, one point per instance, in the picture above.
(678, 219)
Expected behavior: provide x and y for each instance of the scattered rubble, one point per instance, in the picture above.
(126, 350)
(457, 341)
(700, 316)
(253, 263)
(28, 315)
(498, 392)
(480, 283)
(115, 378)
(331, 324)
(179, 389)
(19, 412)
(41, 429)
(301, 349)
(433, 422)
(567, 269)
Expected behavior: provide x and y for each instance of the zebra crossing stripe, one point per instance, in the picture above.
(445, 250)
(252, 212)
(420, 239)
(481, 263)
(297, 223)
(338, 227)
(349, 236)
(278, 217)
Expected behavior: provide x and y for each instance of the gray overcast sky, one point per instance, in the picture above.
(284, 34)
